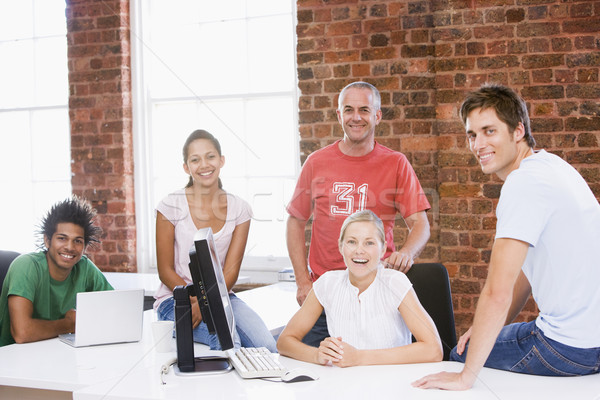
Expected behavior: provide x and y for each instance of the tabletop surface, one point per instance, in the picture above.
(132, 371)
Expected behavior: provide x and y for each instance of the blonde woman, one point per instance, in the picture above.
(371, 311)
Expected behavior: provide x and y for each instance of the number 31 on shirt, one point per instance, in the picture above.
(345, 197)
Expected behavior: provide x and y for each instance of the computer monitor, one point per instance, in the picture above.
(208, 285)
(211, 289)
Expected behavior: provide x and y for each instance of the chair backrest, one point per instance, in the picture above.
(432, 286)
(6, 257)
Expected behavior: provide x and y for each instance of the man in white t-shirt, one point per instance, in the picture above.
(547, 244)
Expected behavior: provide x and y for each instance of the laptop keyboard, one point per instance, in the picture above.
(256, 362)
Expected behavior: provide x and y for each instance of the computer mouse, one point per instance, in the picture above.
(299, 375)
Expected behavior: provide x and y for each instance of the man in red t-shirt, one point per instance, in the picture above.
(352, 174)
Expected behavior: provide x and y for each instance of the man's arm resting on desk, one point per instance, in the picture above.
(418, 235)
(24, 328)
(493, 307)
(296, 244)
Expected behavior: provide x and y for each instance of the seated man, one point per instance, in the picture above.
(547, 238)
(39, 292)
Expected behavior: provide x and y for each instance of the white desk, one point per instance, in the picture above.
(53, 370)
(374, 382)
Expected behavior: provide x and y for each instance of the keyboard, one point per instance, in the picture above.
(255, 362)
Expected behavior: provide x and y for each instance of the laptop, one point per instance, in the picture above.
(111, 316)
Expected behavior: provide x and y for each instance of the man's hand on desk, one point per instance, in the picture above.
(450, 380)
(446, 381)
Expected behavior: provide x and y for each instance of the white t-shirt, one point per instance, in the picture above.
(546, 203)
(370, 320)
(176, 209)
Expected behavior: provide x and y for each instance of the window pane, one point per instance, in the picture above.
(273, 139)
(49, 16)
(16, 77)
(270, 65)
(172, 71)
(268, 198)
(15, 153)
(51, 79)
(16, 19)
(51, 150)
(222, 10)
(221, 58)
(268, 7)
(205, 66)
(16, 209)
(173, 13)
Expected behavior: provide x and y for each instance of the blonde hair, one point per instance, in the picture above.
(363, 216)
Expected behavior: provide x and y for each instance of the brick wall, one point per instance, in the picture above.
(100, 114)
(424, 56)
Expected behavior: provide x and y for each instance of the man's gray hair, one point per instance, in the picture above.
(361, 85)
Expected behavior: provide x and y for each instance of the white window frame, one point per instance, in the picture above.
(262, 268)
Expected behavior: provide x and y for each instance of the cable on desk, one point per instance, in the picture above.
(164, 370)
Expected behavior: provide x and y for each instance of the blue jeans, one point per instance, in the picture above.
(251, 331)
(523, 347)
(318, 332)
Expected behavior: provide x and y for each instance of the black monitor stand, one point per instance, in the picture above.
(187, 364)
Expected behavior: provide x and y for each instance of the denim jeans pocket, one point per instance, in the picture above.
(536, 364)
(545, 359)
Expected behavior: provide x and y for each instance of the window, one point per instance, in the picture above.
(229, 68)
(34, 121)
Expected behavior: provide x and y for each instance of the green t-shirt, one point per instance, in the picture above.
(28, 277)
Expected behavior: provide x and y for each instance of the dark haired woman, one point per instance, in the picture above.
(204, 203)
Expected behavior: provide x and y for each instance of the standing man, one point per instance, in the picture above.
(353, 174)
(39, 292)
(547, 243)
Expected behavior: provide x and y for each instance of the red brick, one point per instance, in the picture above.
(538, 29)
(590, 25)
(343, 28)
(494, 32)
(342, 56)
(583, 91)
(381, 53)
(382, 25)
(451, 34)
(543, 92)
(582, 124)
(543, 61)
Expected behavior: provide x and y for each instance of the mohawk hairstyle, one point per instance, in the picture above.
(74, 210)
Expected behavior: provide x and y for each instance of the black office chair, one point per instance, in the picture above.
(432, 286)
(6, 257)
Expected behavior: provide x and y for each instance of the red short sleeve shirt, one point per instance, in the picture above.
(333, 185)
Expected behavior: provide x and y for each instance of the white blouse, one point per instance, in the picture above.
(176, 209)
(370, 320)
